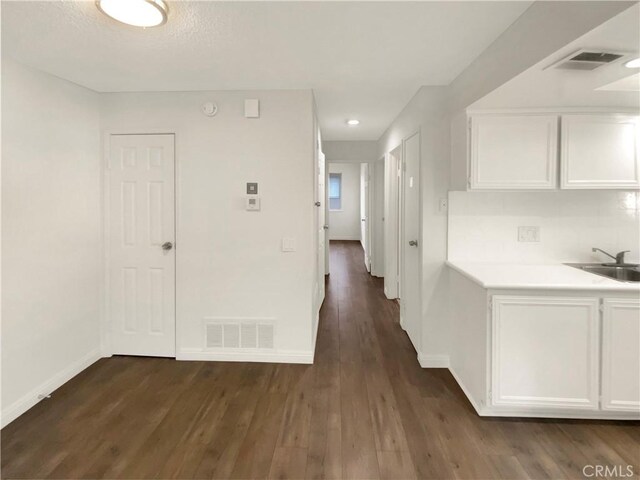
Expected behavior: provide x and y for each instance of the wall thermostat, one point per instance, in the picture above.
(209, 109)
(253, 203)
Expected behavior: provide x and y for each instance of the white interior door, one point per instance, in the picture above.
(321, 222)
(410, 310)
(393, 164)
(140, 234)
(364, 212)
(326, 219)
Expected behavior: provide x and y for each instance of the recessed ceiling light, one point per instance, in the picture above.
(353, 122)
(635, 63)
(139, 13)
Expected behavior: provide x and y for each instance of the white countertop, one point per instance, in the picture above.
(556, 277)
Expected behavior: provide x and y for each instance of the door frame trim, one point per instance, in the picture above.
(105, 324)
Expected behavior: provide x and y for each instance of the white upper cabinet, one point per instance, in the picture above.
(600, 151)
(621, 355)
(513, 152)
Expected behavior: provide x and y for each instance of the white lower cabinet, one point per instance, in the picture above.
(545, 352)
(621, 355)
(554, 354)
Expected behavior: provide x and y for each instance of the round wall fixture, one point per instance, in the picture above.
(209, 109)
(139, 13)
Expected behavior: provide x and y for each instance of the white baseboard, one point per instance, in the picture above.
(277, 356)
(20, 406)
(489, 411)
(433, 361)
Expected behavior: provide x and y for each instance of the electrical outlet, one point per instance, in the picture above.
(528, 234)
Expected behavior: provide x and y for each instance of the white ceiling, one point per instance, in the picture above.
(608, 86)
(362, 59)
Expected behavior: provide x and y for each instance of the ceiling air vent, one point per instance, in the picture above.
(587, 60)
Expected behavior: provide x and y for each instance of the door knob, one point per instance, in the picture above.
(413, 243)
(326, 227)
(318, 204)
(167, 246)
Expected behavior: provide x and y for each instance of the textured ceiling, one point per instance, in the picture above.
(362, 59)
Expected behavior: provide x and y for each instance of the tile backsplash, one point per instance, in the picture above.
(483, 226)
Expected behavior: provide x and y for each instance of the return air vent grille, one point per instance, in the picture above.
(241, 334)
(587, 60)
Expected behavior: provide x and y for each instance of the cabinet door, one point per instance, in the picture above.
(545, 352)
(621, 355)
(600, 151)
(513, 152)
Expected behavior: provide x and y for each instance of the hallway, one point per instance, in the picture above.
(364, 410)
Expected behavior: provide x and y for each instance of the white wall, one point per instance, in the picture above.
(229, 261)
(483, 226)
(350, 151)
(51, 235)
(425, 113)
(345, 224)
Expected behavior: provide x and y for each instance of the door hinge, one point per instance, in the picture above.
(490, 304)
(468, 182)
(601, 306)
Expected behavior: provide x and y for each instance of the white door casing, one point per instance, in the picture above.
(140, 219)
(411, 258)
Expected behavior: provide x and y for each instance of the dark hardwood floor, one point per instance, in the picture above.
(364, 410)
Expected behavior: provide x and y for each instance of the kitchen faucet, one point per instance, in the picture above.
(618, 257)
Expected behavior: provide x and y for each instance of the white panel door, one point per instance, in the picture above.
(364, 214)
(322, 232)
(600, 151)
(513, 152)
(621, 355)
(410, 292)
(545, 352)
(393, 164)
(141, 256)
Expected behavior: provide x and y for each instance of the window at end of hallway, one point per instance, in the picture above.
(335, 191)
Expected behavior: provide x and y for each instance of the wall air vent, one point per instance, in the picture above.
(587, 60)
(239, 334)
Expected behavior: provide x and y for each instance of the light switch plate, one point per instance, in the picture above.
(529, 234)
(252, 108)
(288, 244)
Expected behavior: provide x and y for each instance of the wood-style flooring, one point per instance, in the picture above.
(364, 410)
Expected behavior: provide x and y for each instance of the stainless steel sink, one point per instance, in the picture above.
(623, 273)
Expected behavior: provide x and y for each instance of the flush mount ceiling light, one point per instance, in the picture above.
(139, 13)
(635, 63)
(353, 122)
